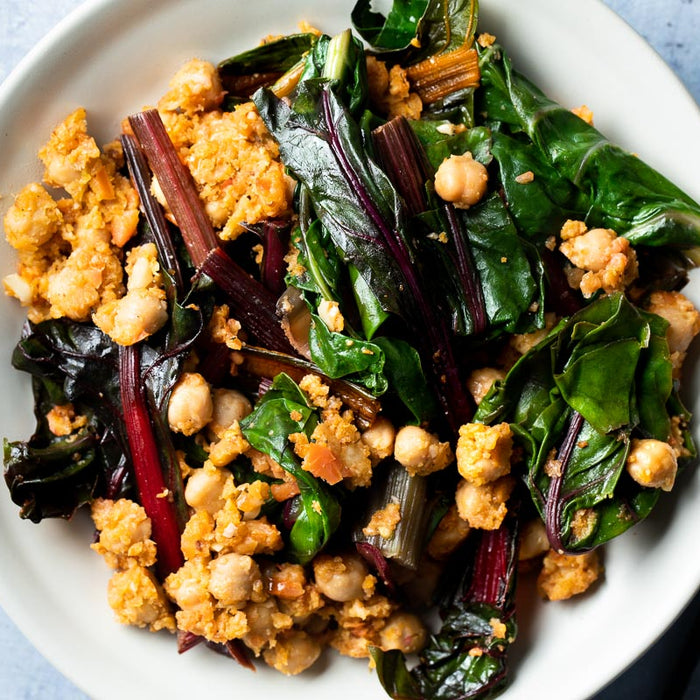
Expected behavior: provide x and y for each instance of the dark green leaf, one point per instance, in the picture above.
(284, 410)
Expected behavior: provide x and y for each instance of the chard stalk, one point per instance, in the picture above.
(154, 494)
(141, 178)
(251, 302)
(439, 76)
(554, 503)
(405, 546)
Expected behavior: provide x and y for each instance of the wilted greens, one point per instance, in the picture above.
(388, 297)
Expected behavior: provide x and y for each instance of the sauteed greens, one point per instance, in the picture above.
(447, 336)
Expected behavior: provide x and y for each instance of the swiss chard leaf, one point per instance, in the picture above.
(539, 207)
(609, 365)
(337, 356)
(271, 57)
(282, 411)
(416, 29)
(404, 371)
(624, 193)
(50, 476)
(353, 198)
(467, 658)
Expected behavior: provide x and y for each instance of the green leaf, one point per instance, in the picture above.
(416, 29)
(284, 410)
(338, 355)
(404, 371)
(275, 56)
(609, 364)
(372, 316)
(623, 192)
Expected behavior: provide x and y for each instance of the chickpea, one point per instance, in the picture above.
(340, 578)
(449, 534)
(403, 631)
(264, 622)
(196, 87)
(32, 219)
(566, 575)
(329, 312)
(533, 540)
(683, 319)
(480, 381)
(191, 406)
(142, 312)
(484, 506)
(229, 406)
(590, 251)
(461, 180)
(204, 489)
(483, 452)
(420, 452)
(652, 463)
(380, 439)
(293, 652)
(235, 578)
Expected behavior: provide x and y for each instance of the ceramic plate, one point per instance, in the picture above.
(116, 57)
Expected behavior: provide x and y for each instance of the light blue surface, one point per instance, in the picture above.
(673, 29)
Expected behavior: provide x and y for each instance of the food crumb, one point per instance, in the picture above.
(525, 178)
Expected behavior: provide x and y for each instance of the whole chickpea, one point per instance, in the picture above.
(652, 463)
(420, 452)
(191, 406)
(380, 439)
(403, 631)
(229, 405)
(204, 489)
(235, 578)
(294, 651)
(461, 180)
(340, 578)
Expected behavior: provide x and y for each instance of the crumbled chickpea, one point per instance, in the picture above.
(32, 219)
(63, 421)
(285, 580)
(138, 599)
(329, 312)
(125, 533)
(379, 437)
(584, 112)
(230, 446)
(480, 381)
(608, 261)
(403, 631)
(652, 463)
(195, 87)
(421, 452)
(340, 578)
(567, 575)
(484, 507)
(483, 452)
(389, 90)
(461, 180)
(191, 406)
(384, 521)
(684, 323)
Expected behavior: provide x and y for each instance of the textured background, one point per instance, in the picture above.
(670, 669)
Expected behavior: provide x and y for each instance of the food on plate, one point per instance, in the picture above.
(339, 333)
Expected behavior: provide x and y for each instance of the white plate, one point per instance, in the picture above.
(116, 57)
